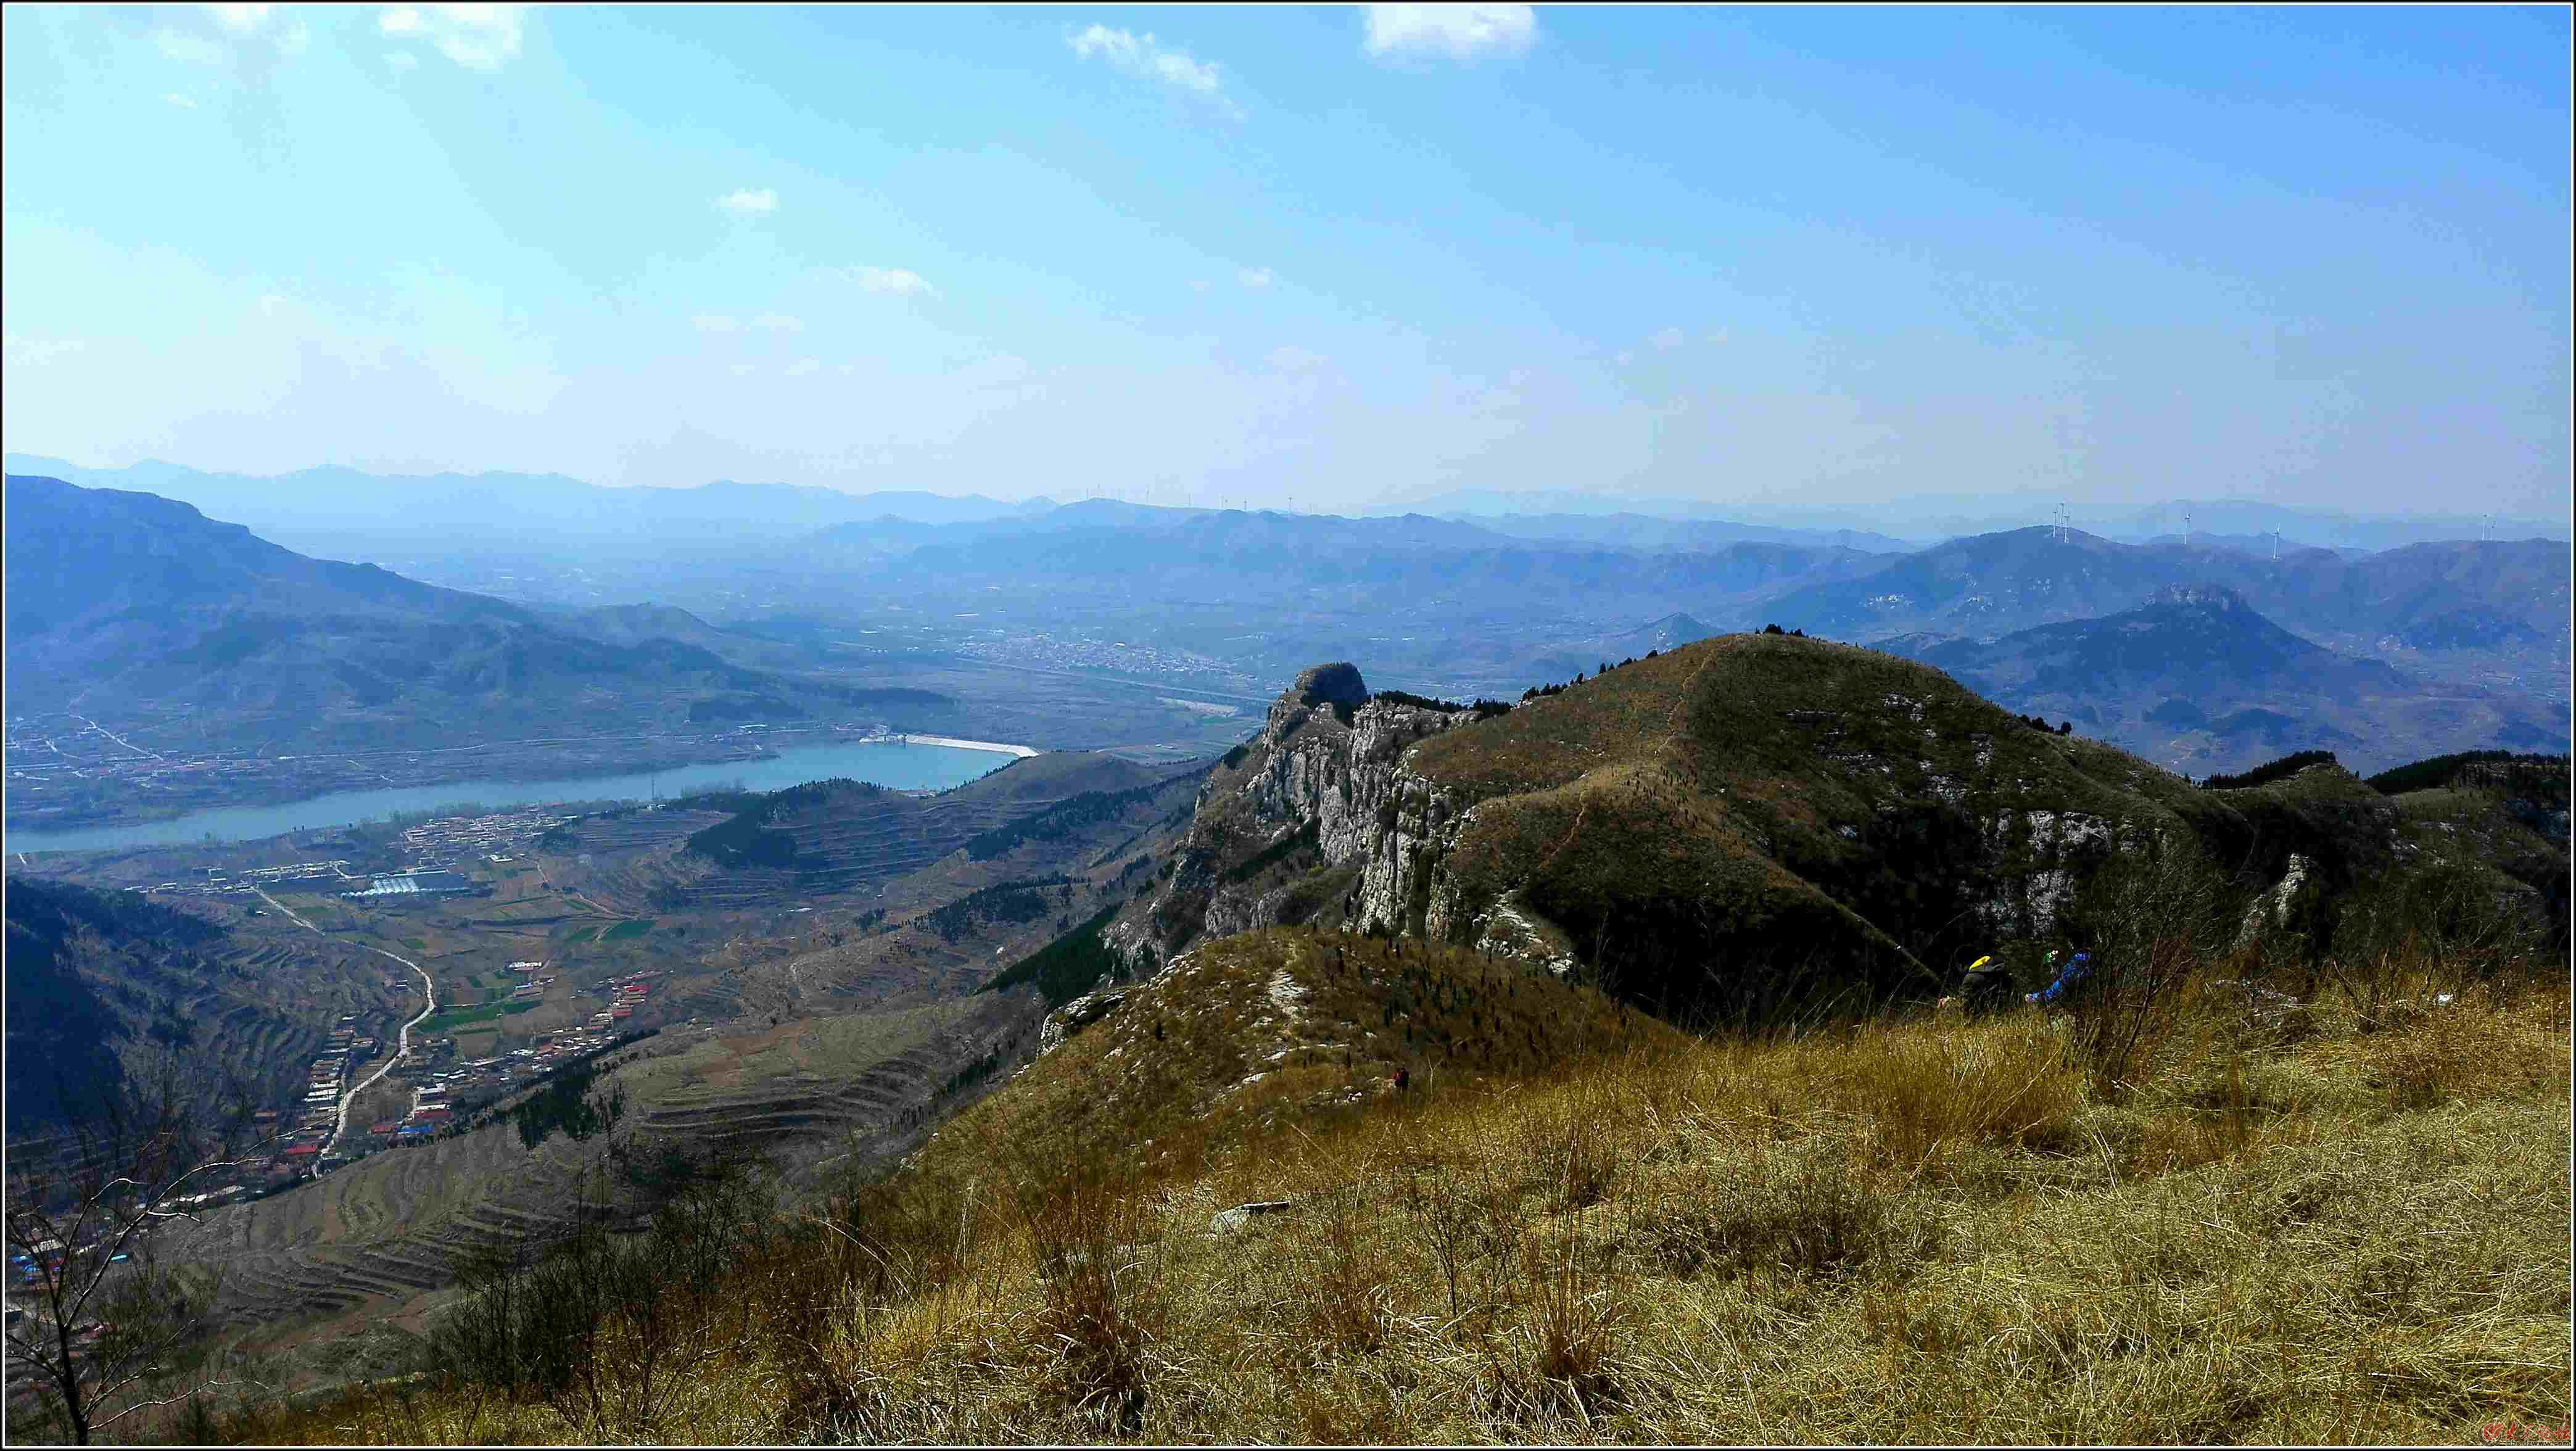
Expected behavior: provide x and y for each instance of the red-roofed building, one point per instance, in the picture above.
(388, 1126)
(300, 1150)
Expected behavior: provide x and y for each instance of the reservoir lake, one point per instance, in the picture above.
(898, 764)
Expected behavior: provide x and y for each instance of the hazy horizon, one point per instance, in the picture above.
(1926, 515)
(1769, 261)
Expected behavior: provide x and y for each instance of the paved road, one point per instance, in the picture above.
(113, 736)
(402, 1047)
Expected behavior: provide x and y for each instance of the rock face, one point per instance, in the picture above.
(1321, 788)
(1075, 1016)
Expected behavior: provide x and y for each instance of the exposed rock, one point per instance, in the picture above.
(2274, 905)
(1307, 770)
(1328, 685)
(1075, 1016)
(1232, 1221)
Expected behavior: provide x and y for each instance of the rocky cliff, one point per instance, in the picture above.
(1311, 819)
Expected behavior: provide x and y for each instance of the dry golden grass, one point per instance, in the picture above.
(2343, 1226)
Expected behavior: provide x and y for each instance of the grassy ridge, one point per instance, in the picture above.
(2340, 1220)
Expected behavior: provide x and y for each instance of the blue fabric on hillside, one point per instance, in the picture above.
(2075, 970)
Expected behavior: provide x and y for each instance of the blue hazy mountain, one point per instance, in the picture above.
(345, 511)
(2196, 679)
(132, 605)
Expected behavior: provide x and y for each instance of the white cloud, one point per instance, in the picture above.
(1294, 359)
(297, 39)
(402, 60)
(803, 366)
(1457, 32)
(191, 49)
(1145, 57)
(779, 322)
(714, 322)
(749, 203)
(1667, 338)
(477, 37)
(1626, 357)
(1256, 277)
(741, 369)
(895, 281)
(1198, 284)
(185, 103)
(240, 19)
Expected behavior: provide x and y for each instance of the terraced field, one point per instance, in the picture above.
(638, 830)
(253, 999)
(859, 837)
(377, 1236)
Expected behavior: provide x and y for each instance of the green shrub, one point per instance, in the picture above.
(1003, 902)
(1057, 822)
(1303, 839)
(1066, 968)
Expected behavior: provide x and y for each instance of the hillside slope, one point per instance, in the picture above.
(97, 976)
(1283, 1025)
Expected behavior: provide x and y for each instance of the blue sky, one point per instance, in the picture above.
(1320, 257)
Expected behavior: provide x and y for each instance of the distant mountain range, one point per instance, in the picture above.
(2196, 680)
(136, 606)
(2422, 597)
(140, 603)
(344, 511)
(1915, 520)
(1647, 533)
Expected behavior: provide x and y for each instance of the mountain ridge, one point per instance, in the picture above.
(1743, 827)
(2197, 679)
(140, 607)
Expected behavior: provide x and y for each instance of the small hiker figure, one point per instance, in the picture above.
(1403, 1079)
(1985, 988)
(2076, 966)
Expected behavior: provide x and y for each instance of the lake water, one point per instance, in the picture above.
(887, 763)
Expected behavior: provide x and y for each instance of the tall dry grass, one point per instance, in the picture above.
(2340, 1220)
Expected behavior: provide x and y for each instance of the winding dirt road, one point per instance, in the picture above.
(402, 1045)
